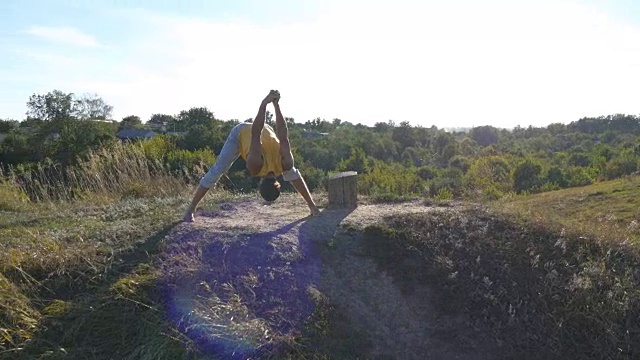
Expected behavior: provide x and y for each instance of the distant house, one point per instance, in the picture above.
(135, 134)
(312, 134)
(158, 127)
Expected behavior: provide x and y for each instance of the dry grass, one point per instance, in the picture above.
(519, 288)
(120, 170)
(79, 279)
(55, 253)
(75, 244)
(606, 210)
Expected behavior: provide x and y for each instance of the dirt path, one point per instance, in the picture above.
(247, 275)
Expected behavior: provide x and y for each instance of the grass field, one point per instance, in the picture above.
(607, 210)
(75, 271)
(552, 274)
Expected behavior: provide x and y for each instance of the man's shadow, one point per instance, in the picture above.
(272, 272)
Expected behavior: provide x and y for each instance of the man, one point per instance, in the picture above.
(267, 154)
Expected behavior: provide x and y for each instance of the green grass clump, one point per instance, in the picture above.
(12, 198)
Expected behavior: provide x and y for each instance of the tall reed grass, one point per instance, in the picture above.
(147, 168)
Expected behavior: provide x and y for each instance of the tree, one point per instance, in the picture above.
(445, 146)
(31, 123)
(290, 121)
(556, 176)
(8, 125)
(621, 165)
(92, 107)
(57, 105)
(78, 137)
(16, 149)
(404, 135)
(269, 119)
(484, 135)
(194, 116)
(320, 125)
(526, 176)
(130, 122)
(384, 127)
(489, 175)
(161, 119)
(579, 159)
(54, 105)
(468, 146)
(203, 136)
(358, 161)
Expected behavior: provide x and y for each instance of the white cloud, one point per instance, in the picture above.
(68, 35)
(49, 58)
(506, 64)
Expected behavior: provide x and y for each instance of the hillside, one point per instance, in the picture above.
(609, 209)
(409, 279)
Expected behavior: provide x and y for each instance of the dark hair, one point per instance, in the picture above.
(270, 189)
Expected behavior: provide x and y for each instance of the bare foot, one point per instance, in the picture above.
(188, 216)
(315, 211)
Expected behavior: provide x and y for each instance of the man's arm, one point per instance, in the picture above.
(254, 158)
(301, 187)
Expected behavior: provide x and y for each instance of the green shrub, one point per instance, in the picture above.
(444, 194)
(526, 176)
(578, 176)
(315, 178)
(158, 147)
(450, 179)
(491, 172)
(621, 166)
(191, 165)
(579, 159)
(390, 179)
(427, 172)
(461, 162)
(358, 161)
(12, 198)
(556, 176)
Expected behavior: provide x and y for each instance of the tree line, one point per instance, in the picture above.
(393, 158)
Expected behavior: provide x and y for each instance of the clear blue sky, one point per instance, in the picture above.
(443, 63)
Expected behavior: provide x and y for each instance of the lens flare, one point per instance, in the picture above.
(237, 294)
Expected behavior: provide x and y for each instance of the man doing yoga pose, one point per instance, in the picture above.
(267, 154)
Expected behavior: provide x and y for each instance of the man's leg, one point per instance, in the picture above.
(254, 158)
(228, 155)
(291, 174)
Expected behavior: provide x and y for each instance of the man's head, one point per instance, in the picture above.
(270, 188)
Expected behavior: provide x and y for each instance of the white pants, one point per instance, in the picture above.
(229, 154)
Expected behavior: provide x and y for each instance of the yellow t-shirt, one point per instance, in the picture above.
(270, 149)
